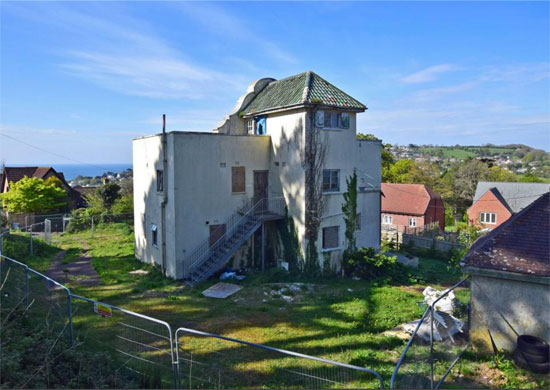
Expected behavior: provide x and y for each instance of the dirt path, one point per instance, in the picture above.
(81, 269)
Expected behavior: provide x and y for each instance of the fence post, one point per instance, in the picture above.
(92, 226)
(432, 346)
(27, 286)
(30, 248)
(70, 312)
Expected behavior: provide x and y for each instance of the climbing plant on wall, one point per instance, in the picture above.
(349, 208)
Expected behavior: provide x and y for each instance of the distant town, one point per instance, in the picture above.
(517, 158)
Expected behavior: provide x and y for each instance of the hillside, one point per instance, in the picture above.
(517, 158)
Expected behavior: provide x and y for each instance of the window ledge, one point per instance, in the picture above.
(332, 193)
(333, 128)
(332, 249)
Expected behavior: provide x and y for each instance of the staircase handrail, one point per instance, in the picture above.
(205, 245)
(198, 256)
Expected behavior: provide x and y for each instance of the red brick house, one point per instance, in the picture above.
(495, 202)
(410, 205)
(14, 174)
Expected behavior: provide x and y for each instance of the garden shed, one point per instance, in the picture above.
(510, 285)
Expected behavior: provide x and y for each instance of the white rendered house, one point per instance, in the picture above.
(203, 199)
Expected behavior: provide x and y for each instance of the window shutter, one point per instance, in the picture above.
(238, 179)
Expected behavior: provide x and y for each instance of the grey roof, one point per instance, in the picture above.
(303, 88)
(516, 195)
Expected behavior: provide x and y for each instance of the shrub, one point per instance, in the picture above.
(367, 263)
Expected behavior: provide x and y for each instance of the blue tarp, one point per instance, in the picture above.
(260, 125)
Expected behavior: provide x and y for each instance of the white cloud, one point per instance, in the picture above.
(429, 74)
(124, 54)
(218, 20)
(516, 73)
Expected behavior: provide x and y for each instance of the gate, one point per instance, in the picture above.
(141, 345)
(207, 360)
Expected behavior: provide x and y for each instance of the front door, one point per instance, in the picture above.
(260, 185)
(216, 231)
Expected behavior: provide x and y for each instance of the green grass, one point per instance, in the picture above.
(451, 152)
(334, 318)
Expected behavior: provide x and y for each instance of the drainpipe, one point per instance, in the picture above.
(164, 194)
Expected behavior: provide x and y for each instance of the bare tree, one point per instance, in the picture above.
(313, 148)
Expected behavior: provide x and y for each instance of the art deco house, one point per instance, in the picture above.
(203, 200)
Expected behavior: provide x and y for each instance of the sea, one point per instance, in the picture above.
(71, 171)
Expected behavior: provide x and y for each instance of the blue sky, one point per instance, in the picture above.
(81, 79)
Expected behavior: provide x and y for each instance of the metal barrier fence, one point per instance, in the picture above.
(141, 345)
(426, 364)
(145, 353)
(207, 360)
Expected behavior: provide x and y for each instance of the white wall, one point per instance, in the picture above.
(199, 189)
(202, 187)
(287, 179)
(147, 158)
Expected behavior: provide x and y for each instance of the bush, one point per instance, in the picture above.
(16, 247)
(80, 220)
(367, 263)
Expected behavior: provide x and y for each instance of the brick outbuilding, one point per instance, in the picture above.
(411, 205)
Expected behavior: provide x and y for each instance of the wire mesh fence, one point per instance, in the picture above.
(211, 361)
(436, 344)
(141, 346)
(140, 351)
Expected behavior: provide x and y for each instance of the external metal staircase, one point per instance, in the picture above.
(209, 257)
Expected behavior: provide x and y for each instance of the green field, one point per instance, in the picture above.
(335, 318)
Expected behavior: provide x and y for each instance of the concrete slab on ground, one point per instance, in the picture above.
(221, 290)
(401, 258)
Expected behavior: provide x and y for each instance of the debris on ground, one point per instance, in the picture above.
(445, 324)
(221, 290)
(230, 274)
(139, 272)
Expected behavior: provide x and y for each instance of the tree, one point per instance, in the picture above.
(123, 205)
(399, 172)
(349, 208)
(109, 193)
(33, 195)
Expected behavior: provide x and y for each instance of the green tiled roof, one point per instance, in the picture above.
(303, 88)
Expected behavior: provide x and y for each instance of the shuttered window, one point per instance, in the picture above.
(330, 237)
(238, 179)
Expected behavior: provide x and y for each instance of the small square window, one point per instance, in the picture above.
(330, 237)
(154, 235)
(160, 180)
(250, 126)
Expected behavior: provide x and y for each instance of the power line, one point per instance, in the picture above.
(52, 153)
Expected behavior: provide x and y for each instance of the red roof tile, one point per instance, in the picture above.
(410, 199)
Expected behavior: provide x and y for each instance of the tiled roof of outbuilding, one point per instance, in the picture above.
(519, 245)
(410, 199)
(303, 88)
